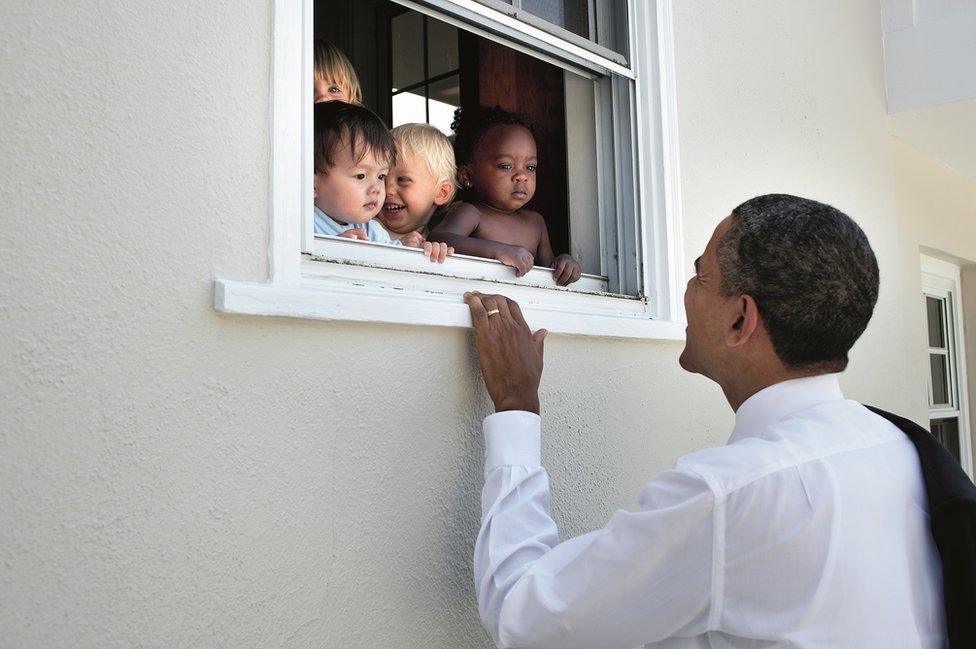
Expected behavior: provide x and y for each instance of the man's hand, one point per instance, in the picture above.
(509, 353)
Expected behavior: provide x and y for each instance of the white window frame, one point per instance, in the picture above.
(332, 279)
(942, 279)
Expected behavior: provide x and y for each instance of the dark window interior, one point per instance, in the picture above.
(409, 65)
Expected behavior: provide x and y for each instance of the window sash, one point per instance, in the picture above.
(591, 43)
(621, 228)
(412, 260)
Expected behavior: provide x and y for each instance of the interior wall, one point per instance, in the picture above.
(171, 476)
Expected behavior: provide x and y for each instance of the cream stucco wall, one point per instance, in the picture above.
(172, 477)
(936, 208)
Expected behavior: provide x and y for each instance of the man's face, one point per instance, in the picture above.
(709, 313)
(352, 190)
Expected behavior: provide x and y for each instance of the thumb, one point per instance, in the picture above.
(539, 338)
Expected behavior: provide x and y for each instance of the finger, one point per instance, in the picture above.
(441, 252)
(539, 338)
(577, 273)
(504, 314)
(450, 250)
(427, 249)
(559, 272)
(490, 305)
(516, 311)
(479, 314)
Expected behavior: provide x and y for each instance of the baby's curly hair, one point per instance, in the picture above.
(470, 125)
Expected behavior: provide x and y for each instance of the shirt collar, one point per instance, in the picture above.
(780, 400)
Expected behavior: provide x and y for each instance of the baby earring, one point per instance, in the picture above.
(467, 184)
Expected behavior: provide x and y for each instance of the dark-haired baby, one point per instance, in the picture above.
(500, 176)
(353, 154)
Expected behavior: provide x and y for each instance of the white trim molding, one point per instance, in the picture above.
(328, 278)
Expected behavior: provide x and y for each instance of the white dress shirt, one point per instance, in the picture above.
(808, 529)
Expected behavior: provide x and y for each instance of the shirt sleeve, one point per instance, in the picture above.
(644, 577)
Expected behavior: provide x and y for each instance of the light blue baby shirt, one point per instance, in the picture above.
(325, 224)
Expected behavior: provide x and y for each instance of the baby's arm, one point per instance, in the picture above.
(566, 270)
(456, 230)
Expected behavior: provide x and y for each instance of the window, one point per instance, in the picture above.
(947, 395)
(617, 187)
(425, 70)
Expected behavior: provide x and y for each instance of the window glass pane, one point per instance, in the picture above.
(947, 432)
(442, 43)
(408, 107)
(445, 97)
(408, 53)
(572, 15)
(611, 25)
(940, 379)
(935, 309)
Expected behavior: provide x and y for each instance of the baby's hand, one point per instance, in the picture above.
(355, 233)
(517, 257)
(566, 270)
(413, 239)
(436, 250)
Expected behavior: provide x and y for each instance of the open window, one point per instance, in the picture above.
(594, 76)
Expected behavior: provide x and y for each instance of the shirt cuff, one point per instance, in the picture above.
(512, 438)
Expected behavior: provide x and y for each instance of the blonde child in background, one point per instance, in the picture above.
(334, 78)
(422, 181)
(353, 154)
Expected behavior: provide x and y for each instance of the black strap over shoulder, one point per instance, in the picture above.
(952, 511)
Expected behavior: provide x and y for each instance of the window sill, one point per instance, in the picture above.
(347, 291)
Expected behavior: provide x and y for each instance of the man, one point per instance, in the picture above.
(808, 529)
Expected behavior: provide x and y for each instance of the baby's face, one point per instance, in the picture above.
(412, 195)
(329, 91)
(352, 190)
(502, 167)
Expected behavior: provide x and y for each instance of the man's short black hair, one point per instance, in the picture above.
(470, 125)
(811, 271)
(338, 123)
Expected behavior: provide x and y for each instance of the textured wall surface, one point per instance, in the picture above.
(173, 477)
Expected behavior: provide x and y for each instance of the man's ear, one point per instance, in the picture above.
(444, 192)
(315, 186)
(747, 320)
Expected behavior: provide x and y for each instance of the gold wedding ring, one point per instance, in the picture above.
(492, 312)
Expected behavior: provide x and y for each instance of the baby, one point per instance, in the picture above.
(497, 160)
(353, 153)
(420, 182)
(334, 78)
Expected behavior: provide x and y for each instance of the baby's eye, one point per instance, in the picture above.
(506, 166)
(531, 168)
(360, 176)
(382, 176)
